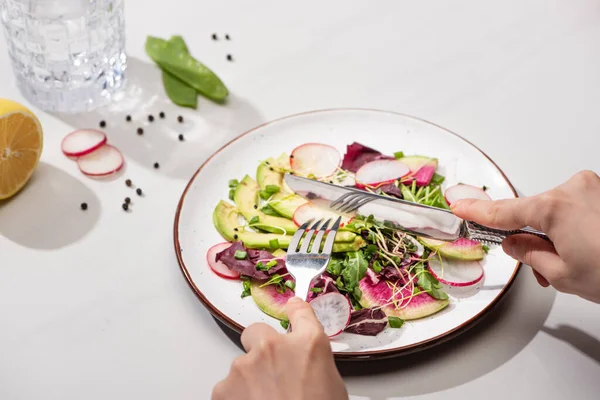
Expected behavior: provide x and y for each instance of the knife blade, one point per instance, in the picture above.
(417, 219)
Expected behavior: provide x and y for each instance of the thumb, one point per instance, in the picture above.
(535, 252)
(301, 316)
(501, 214)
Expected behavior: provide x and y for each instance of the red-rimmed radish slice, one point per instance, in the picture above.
(463, 191)
(311, 211)
(333, 312)
(103, 161)
(82, 142)
(378, 172)
(456, 272)
(319, 160)
(217, 266)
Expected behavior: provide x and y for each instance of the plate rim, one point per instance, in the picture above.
(344, 356)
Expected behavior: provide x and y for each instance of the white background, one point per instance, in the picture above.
(93, 305)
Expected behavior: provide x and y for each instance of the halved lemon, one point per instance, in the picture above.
(21, 142)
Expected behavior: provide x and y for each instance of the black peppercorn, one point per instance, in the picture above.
(235, 237)
(161, 114)
(214, 36)
(128, 182)
(255, 206)
(128, 118)
(125, 206)
(229, 57)
(150, 117)
(138, 191)
(156, 165)
(227, 37)
(140, 131)
(235, 229)
(181, 137)
(180, 118)
(127, 200)
(102, 124)
(84, 206)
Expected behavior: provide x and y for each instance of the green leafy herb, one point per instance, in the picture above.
(335, 266)
(268, 210)
(377, 266)
(355, 267)
(247, 292)
(437, 179)
(339, 283)
(284, 323)
(290, 284)
(261, 267)
(280, 289)
(186, 68)
(428, 283)
(357, 293)
(316, 290)
(395, 322)
(240, 254)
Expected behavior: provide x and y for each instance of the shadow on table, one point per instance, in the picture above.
(582, 341)
(46, 214)
(204, 129)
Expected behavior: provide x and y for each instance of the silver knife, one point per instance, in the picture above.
(416, 219)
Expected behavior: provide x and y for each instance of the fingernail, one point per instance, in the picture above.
(294, 300)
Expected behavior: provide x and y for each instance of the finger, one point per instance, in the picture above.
(535, 252)
(302, 317)
(501, 214)
(256, 334)
(541, 280)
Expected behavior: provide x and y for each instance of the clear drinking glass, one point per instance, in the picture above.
(67, 55)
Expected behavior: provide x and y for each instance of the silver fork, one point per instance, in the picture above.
(351, 202)
(305, 264)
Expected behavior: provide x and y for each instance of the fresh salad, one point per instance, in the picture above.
(378, 277)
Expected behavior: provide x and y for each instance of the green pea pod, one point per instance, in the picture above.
(178, 91)
(186, 68)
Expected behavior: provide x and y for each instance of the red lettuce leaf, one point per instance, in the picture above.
(358, 155)
(247, 266)
(368, 322)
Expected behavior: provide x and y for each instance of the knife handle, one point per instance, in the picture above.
(496, 236)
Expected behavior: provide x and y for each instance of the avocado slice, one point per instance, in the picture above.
(225, 219)
(287, 205)
(246, 199)
(269, 172)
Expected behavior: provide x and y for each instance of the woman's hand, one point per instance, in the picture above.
(294, 366)
(569, 215)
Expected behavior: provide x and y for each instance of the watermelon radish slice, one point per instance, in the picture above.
(311, 211)
(456, 272)
(333, 312)
(415, 307)
(217, 266)
(319, 160)
(103, 161)
(421, 169)
(269, 300)
(380, 172)
(461, 249)
(81, 142)
(462, 191)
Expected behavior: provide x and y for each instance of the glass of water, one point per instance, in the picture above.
(68, 56)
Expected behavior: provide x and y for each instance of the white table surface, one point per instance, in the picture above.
(93, 305)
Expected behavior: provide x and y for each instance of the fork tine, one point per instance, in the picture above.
(309, 235)
(297, 236)
(340, 200)
(316, 247)
(331, 237)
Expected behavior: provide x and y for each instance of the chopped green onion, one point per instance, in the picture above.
(261, 267)
(247, 291)
(272, 263)
(272, 189)
(284, 324)
(398, 155)
(486, 249)
(280, 289)
(240, 254)
(253, 220)
(377, 266)
(264, 195)
(269, 211)
(395, 322)
(274, 243)
(290, 284)
(437, 179)
(316, 289)
(233, 183)
(231, 194)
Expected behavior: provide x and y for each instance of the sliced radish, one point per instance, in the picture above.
(456, 272)
(311, 211)
(379, 172)
(217, 266)
(320, 160)
(82, 142)
(333, 312)
(462, 191)
(105, 160)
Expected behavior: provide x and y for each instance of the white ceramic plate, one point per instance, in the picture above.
(387, 132)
